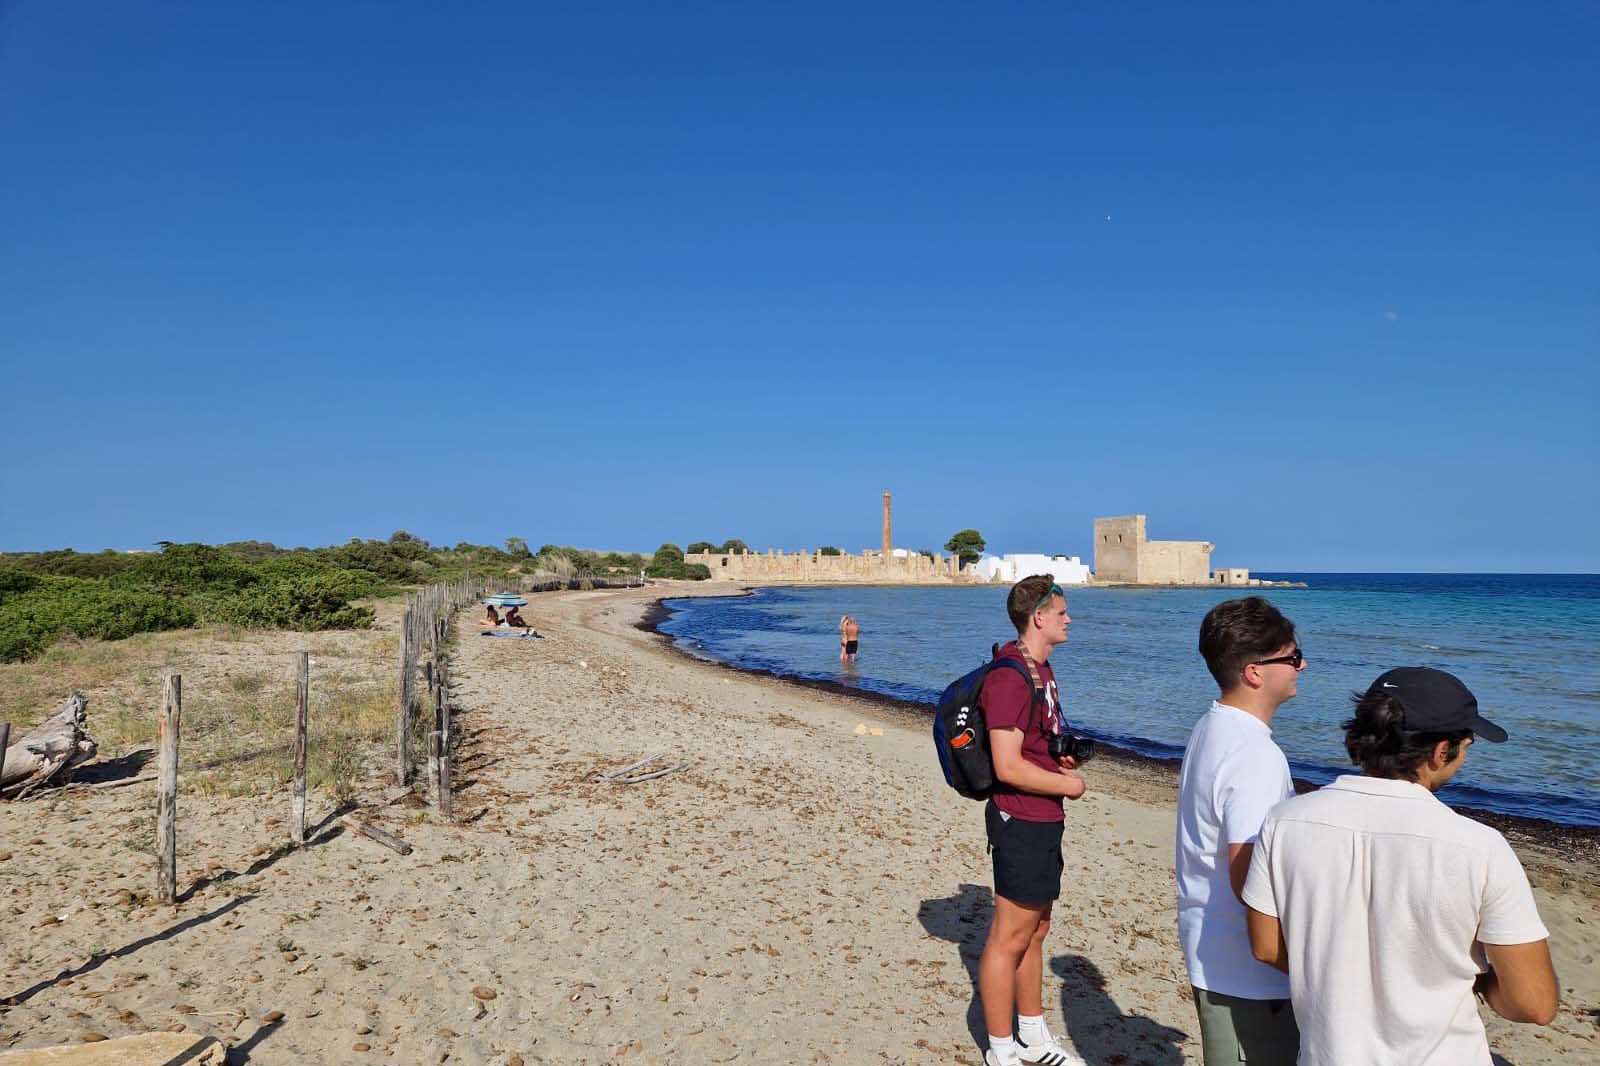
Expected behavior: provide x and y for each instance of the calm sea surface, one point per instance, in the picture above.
(1527, 645)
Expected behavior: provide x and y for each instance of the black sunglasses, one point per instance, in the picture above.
(1295, 659)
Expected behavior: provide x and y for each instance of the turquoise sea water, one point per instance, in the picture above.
(1527, 645)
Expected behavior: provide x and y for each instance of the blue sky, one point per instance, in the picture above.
(1319, 284)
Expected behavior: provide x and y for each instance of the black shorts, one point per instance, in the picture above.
(1027, 857)
(850, 646)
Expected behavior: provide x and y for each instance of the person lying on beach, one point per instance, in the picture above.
(849, 639)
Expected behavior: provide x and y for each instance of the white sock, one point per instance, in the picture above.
(1031, 1030)
(1004, 1048)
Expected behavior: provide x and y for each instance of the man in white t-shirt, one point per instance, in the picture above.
(1394, 909)
(1232, 775)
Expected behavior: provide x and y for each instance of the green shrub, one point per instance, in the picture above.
(303, 603)
(14, 581)
(828, 549)
(32, 620)
(700, 547)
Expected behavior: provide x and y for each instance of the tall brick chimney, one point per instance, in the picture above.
(888, 525)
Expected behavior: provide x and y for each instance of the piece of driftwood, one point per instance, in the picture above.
(388, 840)
(49, 750)
(642, 770)
(146, 1049)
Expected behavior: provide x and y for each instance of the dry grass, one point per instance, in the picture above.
(238, 700)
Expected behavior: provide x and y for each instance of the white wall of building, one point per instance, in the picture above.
(1009, 569)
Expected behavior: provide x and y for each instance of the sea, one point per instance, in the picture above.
(1527, 645)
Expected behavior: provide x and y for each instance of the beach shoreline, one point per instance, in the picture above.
(806, 876)
(1574, 845)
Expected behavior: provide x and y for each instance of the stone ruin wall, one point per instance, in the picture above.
(1122, 554)
(866, 568)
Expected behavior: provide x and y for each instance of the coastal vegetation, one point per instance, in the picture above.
(732, 546)
(968, 544)
(668, 562)
(251, 584)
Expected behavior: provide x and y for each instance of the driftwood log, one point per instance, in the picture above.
(49, 750)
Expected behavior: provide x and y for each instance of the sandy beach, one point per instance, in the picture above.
(805, 890)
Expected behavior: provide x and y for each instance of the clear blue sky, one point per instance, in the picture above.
(1319, 283)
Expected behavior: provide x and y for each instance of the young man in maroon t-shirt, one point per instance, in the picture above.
(1024, 822)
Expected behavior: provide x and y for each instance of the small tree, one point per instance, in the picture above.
(667, 562)
(516, 546)
(828, 549)
(967, 545)
(734, 547)
(700, 547)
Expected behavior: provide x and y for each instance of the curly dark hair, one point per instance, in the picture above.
(1378, 741)
(1236, 633)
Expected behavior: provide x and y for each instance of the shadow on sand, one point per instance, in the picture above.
(1106, 1035)
(1101, 1031)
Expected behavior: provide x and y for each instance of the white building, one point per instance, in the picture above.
(1009, 569)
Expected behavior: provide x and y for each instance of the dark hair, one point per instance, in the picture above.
(1236, 633)
(1024, 599)
(1378, 742)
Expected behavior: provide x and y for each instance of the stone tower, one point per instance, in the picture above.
(888, 525)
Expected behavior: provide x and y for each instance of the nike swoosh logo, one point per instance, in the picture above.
(1387, 685)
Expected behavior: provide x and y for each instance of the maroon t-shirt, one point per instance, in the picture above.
(1007, 702)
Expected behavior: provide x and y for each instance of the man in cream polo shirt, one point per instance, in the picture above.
(1232, 775)
(1394, 909)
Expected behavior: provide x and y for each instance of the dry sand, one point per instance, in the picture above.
(806, 891)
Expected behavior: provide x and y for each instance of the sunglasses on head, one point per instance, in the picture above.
(1295, 659)
(1044, 601)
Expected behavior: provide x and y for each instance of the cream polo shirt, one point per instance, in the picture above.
(1381, 891)
(1232, 775)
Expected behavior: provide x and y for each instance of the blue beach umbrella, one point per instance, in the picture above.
(505, 599)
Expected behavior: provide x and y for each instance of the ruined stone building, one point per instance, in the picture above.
(889, 565)
(1123, 553)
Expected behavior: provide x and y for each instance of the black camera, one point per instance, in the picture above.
(1067, 746)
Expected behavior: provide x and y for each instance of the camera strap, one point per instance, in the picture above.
(1059, 725)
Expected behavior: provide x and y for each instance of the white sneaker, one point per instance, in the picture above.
(1048, 1053)
(992, 1059)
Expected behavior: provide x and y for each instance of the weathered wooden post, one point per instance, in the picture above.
(5, 742)
(433, 767)
(445, 800)
(297, 806)
(167, 790)
(403, 718)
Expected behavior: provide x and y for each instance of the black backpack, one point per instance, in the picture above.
(961, 733)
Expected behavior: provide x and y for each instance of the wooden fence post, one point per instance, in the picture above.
(167, 790)
(403, 718)
(433, 767)
(445, 799)
(5, 742)
(297, 806)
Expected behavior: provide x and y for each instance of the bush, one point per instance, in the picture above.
(14, 582)
(700, 547)
(828, 549)
(307, 602)
(734, 546)
(31, 620)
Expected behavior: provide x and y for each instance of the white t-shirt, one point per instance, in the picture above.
(1232, 775)
(1381, 891)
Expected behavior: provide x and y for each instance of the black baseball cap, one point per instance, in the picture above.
(1435, 702)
